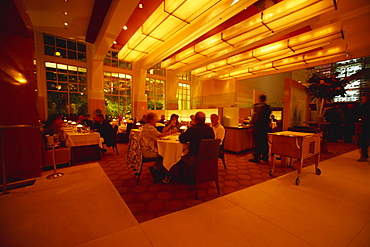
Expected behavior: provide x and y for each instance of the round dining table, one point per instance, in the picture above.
(171, 150)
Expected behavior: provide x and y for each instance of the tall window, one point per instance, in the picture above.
(183, 96)
(157, 70)
(66, 89)
(111, 59)
(155, 92)
(185, 76)
(65, 48)
(117, 94)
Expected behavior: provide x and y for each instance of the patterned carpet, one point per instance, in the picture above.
(149, 200)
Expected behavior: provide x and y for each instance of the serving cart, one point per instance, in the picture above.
(299, 145)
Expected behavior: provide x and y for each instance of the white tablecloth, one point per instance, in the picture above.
(171, 151)
(85, 139)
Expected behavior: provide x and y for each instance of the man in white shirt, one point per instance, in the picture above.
(218, 129)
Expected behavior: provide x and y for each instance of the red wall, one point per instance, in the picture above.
(18, 103)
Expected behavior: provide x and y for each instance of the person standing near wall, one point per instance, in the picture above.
(365, 128)
(261, 125)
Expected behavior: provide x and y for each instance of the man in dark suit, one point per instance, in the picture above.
(193, 135)
(105, 129)
(261, 126)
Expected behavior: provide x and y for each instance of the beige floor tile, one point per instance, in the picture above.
(216, 223)
(363, 238)
(80, 206)
(132, 236)
(323, 216)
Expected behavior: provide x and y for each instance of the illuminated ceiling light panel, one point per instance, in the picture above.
(193, 58)
(176, 65)
(168, 62)
(209, 42)
(199, 71)
(279, 21)
(185, 54)
(219, 65)
(168, 27)
(188, 10)
(213, 49)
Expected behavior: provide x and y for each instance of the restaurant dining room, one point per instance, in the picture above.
(185, 123)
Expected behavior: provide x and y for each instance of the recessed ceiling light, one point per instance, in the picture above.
(65, 13)
(66, 1)
(66, 24)
(125, 27)
(114, 42)
(141, 6)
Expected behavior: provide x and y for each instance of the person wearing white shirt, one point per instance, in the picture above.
(218, 129)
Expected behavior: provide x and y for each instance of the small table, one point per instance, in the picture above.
(55, 174)
(171, 150)
(84, 146)
(297, 145)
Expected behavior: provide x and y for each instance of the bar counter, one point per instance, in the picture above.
(238, 139)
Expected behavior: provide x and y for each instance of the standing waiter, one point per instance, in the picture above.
(261, 125)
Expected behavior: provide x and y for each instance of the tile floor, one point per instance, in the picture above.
(84, 209)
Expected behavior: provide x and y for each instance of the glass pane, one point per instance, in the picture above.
(78, 103)
(73, 87)
(150, 105)
(111, 105)
(82, 57)
(50, 66)
(72, 69)
(114, 55)
(62, 52)
(81, 47)
(72, 55)
(107, 88)
(57, 103)
(121, 65)
(72, 45)
(82, 71)
(63, 87)
(72, 78)
(82, 79)
(49, 50)
(107, 61)
(115, 91)
(51, 76)
(159, 105)
(61, 43)
(82, 88)
(51, 85)
(62, 77)
(115, 63)
(49, 40)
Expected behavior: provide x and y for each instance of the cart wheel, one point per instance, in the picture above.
(271, 173)
(318, 171)
(297, 181)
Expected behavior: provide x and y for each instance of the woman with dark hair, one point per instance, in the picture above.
(173, 124)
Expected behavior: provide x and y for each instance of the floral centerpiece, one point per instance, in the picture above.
(324, 88)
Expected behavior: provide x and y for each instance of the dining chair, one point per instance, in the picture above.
(114, 146)
(221, 154)
(206, 164)
(135, 157)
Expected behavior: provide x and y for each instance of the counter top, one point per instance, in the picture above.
(243, 127)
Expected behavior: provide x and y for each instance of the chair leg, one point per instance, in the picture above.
(196, 191)
(115, 149)
(223, 161)
(139, 173)
(217, 186)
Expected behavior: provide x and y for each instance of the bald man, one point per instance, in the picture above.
(194, 134)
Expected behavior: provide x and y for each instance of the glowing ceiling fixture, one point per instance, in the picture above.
(66, 24)
(140, 6)
(65, 13)
(278, 17)
(115, 42)
(124, 28)
(234, 2)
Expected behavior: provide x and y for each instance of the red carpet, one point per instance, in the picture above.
(149, 200)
